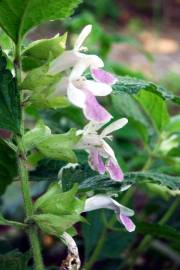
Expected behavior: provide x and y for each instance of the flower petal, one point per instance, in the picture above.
(96, 88)
(108, 150)
(61, 87)
(103, 201)
(84, 62)
(99, 201)
(82, 36)
(114, 170)
(125, 210)
(94, 61)
(103, 76)
(96, 162)
(76, 96)
(78, 70)
(65, 61)
(92, 127)
(125, 187)
(94, 111)
(127, 222)
(114, 126)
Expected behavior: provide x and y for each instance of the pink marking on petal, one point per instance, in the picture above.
(94, 111)
(96, 162)
(114, 170)
(102, 76)
(127, 222)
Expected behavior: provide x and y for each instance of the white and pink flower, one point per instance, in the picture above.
(123, 213)
(101, 155)
(69, 58)
(80, 91)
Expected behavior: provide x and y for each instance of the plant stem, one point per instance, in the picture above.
(23, 172)
(32, 231)
(16, 224)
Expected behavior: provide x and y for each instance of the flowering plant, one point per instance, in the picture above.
(45, 77)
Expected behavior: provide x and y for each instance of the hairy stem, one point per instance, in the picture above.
(23, 172)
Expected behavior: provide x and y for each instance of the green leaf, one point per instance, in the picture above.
(170, 146)
(18, 17)
(47, 170)
(133, 86)
(126, 105)
(5, 42)
(53, 102)
(91, 231)
(56, 225)
(41, 85)
(88, 180)
(9, 99)
(4, 221)
(159, 231)
(38, 52)
(38, 80)
(146, 111)
(78, 174)
(36, 135)
(155, 107)
(56, 202)
(117, 242)
(14, 260)
(59, 146)
(173, 125)
(34, 158)
(8, 166)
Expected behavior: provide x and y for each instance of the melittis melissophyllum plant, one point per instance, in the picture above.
(46, 75)
(58, 82)
(69, 67)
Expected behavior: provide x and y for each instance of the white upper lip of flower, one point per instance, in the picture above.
(98, 149)
(104, 201)
(101, 201)
(72, 57)
(82, 37)
(92, 138)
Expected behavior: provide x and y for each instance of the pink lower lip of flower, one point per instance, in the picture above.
(94, 111)
(96, 162)
(115, 171)
(127, 222)
(102, 76)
